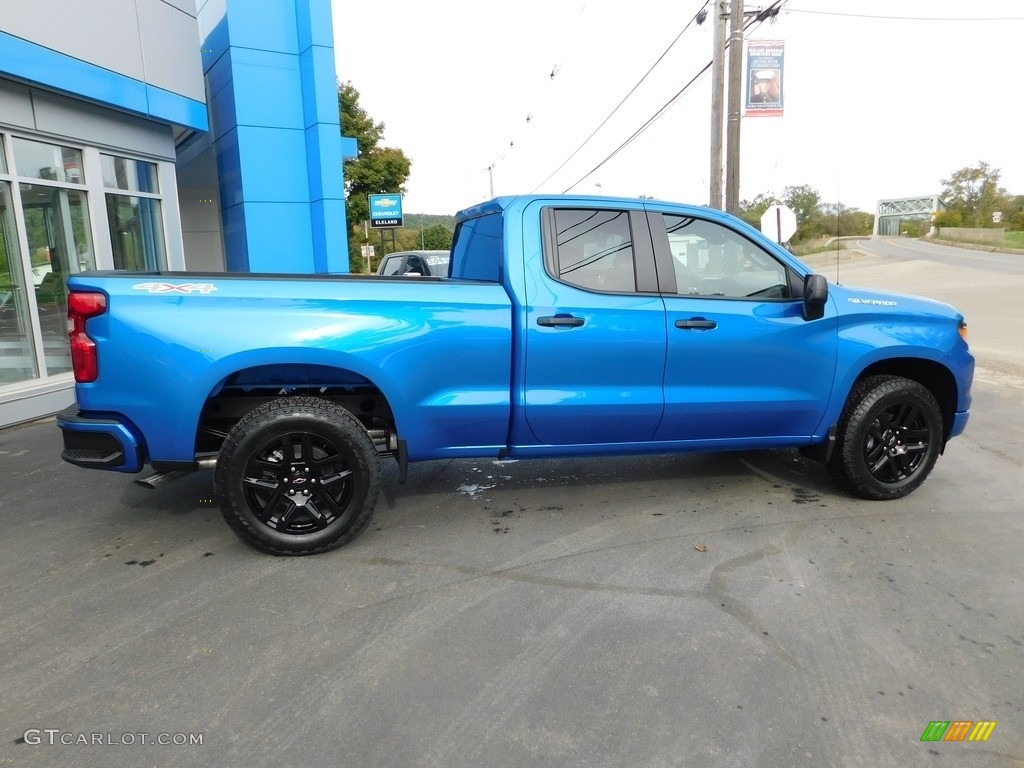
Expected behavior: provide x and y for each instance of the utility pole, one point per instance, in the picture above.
(717, 99)
(732, 139)
(490, 174)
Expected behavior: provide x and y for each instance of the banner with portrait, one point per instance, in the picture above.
(764, 78)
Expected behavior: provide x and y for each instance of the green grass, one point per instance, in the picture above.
(817, 245)
(1014, 240)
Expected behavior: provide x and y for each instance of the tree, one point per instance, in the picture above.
(805, 202)
(838, 220)
(437, 238)
(948, 219)
(376, 169)
(1014, 216)
(814, 218)
(751, 211)
(974, 191)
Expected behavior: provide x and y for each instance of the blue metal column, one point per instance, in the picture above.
(274, 120)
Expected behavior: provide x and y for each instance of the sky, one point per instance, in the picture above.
(883, 98)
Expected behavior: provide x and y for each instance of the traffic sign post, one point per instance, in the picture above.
(367, 251)
(779, 223)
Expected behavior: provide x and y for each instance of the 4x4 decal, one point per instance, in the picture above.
(203, 288)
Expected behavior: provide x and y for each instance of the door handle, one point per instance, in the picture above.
(696, 323)
(558, 321)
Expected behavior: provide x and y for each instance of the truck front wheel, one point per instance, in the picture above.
(888, 438)
(297, 476)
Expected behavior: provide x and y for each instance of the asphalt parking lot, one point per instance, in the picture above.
(732, 610)
(695, 610)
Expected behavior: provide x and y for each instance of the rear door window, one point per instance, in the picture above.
(594, 250)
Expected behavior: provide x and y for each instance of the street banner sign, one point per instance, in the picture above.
(764, 78)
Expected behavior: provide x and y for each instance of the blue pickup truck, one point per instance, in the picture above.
(567, 326)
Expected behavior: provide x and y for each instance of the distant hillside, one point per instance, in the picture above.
(415, 220)
(416, 234)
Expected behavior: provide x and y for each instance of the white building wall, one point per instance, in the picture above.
(141, 39)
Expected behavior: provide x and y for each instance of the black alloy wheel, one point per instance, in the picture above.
(897, 442)
(298, 483)
(297, 476)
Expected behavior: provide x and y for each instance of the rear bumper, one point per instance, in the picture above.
(98, 442)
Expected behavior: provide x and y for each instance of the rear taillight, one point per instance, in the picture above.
(82, 306)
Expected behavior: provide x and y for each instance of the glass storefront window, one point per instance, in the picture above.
(47, 235)
(60, 244)
(136, 232)
(131, 175)
(135, 221)
(51, 162)
(17, 349)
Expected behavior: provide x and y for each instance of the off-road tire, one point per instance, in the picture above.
(888, 438)
(297, 476)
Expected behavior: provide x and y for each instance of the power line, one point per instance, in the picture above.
(623, 101)
(650, 121)
(755, 22)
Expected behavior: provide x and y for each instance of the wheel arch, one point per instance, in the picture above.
(934, 376)
(241, 388)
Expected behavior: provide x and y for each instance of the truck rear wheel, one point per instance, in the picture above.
(297, 476)
(888, 439)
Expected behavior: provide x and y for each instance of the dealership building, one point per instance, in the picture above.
(157, 135)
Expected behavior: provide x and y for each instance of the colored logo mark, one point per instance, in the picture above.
(958, 730)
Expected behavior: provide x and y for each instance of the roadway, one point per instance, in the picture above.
(986, 286)
(729, 610)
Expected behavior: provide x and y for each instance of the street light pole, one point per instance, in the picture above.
(490, 175)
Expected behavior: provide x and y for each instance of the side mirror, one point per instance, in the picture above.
(815, 296)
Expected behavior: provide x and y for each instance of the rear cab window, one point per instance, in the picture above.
(478, 248)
